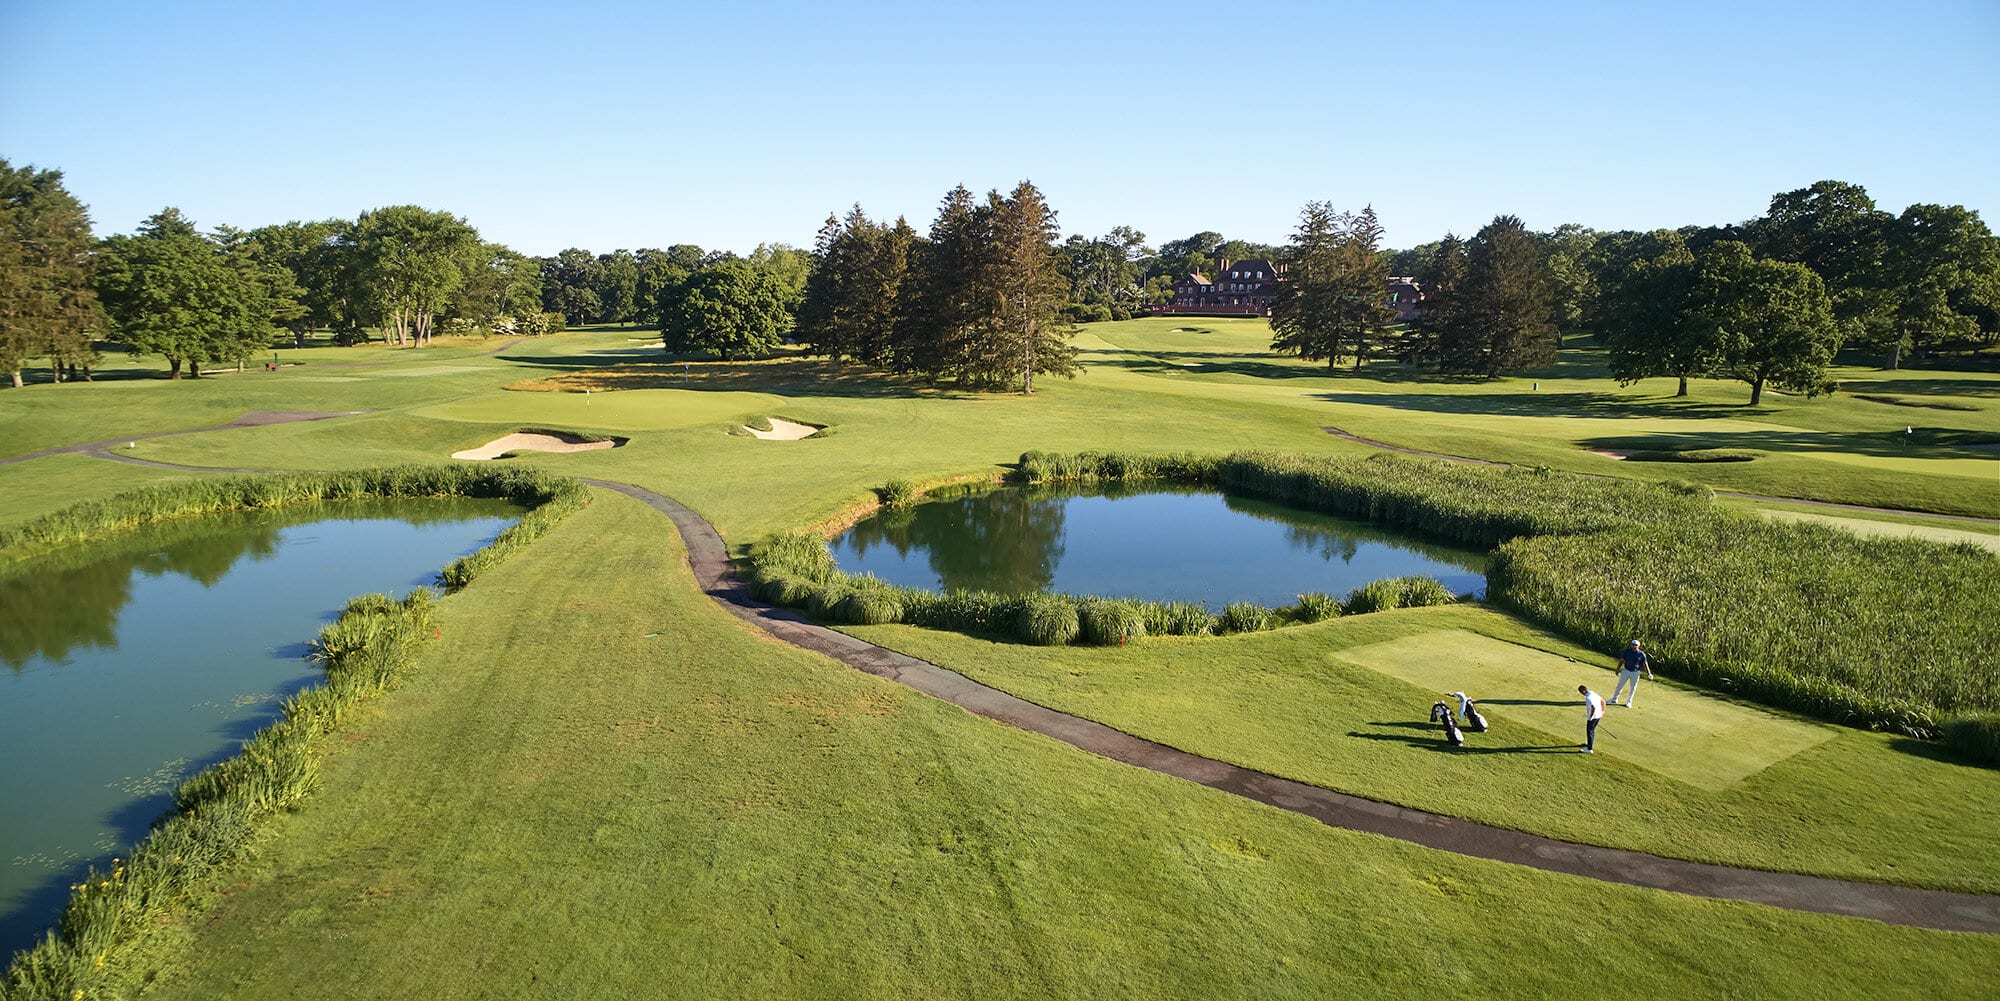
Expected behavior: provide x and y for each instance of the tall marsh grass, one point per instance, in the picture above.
(1891, 634)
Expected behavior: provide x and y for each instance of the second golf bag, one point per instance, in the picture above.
(1441, 713)
(1469, 712)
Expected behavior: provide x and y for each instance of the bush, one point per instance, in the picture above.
(1316, 607)
(1420, 592)
(1243, 617)
(1976, 736)
(1375, 596)
(1178, 618)
(1109, 623)
(898, 493)
(873, 606)
(826, 598)
(1048, 620)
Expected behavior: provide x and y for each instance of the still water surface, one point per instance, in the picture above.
(127, 667)
(1162, 545)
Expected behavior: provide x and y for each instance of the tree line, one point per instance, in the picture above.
(1768, 302)
(981, 300)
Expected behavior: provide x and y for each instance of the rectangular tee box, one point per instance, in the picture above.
(1530, 698)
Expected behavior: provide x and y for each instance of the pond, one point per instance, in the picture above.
(1160, 544)
(129, 666)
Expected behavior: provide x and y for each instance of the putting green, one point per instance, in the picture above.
(631, 409)
(1530, 698)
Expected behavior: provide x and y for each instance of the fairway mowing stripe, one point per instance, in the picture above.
(1938, 909)
(1684, 735)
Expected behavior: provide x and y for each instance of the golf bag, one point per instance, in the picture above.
(1470, 713)
(1441, 713)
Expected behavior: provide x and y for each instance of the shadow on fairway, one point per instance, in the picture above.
(781, 376)
(1531, 702)
(1918, 443)
(1526, 403)
(1438, 743)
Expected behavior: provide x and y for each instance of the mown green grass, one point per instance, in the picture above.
(924, 852)
(600, 784)
(1862, 805)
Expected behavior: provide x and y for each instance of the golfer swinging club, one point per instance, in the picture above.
(1633, 661)
(1593, 713)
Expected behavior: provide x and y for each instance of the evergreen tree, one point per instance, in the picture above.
(938, 308)
(1442, 277)
(1333, 301)
(47, 306)
(1027, 289)
(1500, 318)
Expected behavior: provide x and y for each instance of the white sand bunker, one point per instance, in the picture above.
(783, 430)
(1611, 453)
(527, 441)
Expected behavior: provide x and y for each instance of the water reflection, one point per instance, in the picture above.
(1149, 542)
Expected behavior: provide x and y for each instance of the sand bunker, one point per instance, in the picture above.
(524, 441)
(783, 430)
(1611, 453)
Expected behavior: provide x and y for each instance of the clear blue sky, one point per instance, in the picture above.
(607, 125)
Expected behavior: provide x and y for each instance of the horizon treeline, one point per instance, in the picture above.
(981, 300)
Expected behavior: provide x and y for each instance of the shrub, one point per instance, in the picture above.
(898, 493)
(1178, 618)
(1316, 607)
(1243, 617)
(965, 611)
(794, 554)
(825, 598)
(870, 606)
(1047, 620)
(1109, 623)
(1976, 736)
(1375, 596)
(1419, 592)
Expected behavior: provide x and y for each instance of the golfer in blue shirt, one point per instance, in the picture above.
(1634, 661)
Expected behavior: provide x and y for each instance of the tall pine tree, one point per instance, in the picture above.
(1026, 284)
(1333, 301)
(1499, 318)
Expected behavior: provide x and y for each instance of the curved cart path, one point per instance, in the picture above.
(253, 419)
(1892, 904)
(1830, 505)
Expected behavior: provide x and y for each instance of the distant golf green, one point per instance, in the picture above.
(1696, 738)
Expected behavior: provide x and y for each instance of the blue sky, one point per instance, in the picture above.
(607, 125)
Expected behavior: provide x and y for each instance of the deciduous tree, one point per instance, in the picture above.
(1772, 319)
(732, 310)
(170, 291)
(412, 262)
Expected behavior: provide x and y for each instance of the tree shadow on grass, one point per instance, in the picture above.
(1523, 403)
(1438, 743)
(784, 376)
(1932, 750)
(1915, 442)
